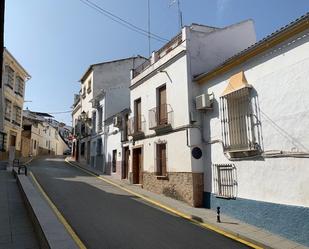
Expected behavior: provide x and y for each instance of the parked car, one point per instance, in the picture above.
(67, 152)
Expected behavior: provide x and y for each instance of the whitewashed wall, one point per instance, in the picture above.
(280, 78)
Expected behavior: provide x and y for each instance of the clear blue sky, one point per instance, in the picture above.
(56, 40)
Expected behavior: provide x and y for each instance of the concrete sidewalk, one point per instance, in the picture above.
(16, 230)
(230, 225)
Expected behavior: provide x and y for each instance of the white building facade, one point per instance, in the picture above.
(104, 95)
(165, 142)
(256, 144)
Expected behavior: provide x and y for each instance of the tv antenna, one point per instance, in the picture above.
(179, 12)
(149, 44)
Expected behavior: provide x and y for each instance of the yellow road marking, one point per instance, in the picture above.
(67, 226)
(28, 161)
(171, 210)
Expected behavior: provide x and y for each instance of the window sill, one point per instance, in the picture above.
(9, 86)
(162, 177)
(19, 94)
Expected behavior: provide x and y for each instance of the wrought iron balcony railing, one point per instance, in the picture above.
(136, 126)
(161, 117)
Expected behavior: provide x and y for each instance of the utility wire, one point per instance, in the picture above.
(123, 22)
(59, 112)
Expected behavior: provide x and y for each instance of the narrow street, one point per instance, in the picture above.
(104, 216)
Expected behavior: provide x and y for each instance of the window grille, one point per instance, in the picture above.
(16, 119)
(9, 76)
(225, 180)
(239, 122)
(8, 109)
(19, 88)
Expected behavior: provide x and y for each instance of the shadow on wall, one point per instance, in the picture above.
(171, 191)
(108, 165)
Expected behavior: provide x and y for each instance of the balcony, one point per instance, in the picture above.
(136, 127)
(161, 118)
(156, 56)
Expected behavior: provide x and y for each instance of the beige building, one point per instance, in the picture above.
(14, 78)
(40, 137)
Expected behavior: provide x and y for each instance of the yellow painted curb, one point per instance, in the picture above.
(28, 161)
(171, 210)
(67, 226)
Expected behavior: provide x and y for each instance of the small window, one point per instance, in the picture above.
(8, 109)
(100, 118)
(34, 145)
(19, 86)
(114, 161)
(9, 76)
(225, 180)
(89, 86)
(16, 119)
(161, 159)
(84, 92)
(138, 115)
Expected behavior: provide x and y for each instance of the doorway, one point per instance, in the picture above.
(12, 139)
(137, 166)
(125, 169)
(88, 152)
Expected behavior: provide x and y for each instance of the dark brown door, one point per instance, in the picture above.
(161, 159)
(12, 140)
(114, 161)
(126, 163)
(137, 166)
(162, 105)
(138, 121)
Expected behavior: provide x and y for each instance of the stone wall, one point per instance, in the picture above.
(183, 186)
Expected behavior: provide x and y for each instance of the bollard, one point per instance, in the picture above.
(218, 215)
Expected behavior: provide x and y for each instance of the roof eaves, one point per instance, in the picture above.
(257, 47)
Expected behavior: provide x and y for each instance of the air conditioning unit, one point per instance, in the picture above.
(117, 121)
(204, 101)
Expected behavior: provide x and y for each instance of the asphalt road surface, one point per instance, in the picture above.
(106, 217)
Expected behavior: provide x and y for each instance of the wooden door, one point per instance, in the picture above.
(138, 110)
(137, 166)
(114, 161)
(126, 163)
(162, 105)
(12, 140)
(161, 159)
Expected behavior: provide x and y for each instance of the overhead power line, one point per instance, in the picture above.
(123, 22)
(59, 112)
